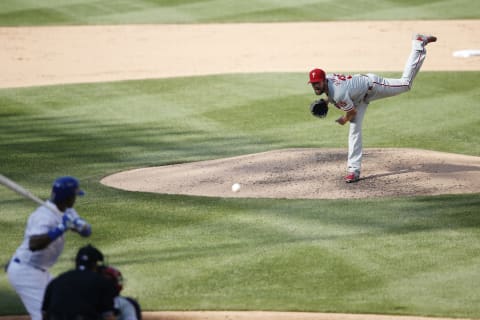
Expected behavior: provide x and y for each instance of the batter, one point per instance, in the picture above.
(43, 243)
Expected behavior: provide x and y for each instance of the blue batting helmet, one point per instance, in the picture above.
(64, 188)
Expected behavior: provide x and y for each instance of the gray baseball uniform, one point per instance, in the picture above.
(347, 92)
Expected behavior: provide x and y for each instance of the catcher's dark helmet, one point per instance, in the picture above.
(115, 275)
(316, 75)
(88, 257)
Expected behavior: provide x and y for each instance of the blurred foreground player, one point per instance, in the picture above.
(82, 293)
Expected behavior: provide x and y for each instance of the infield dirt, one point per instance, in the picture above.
(32, 56)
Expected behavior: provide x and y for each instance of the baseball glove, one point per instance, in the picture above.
(319, 108)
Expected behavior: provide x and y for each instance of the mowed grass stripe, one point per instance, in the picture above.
(80, 12)
(397, 256)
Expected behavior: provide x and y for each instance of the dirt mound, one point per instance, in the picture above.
(310, 174)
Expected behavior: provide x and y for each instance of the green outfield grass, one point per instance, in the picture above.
(66, 12)
(416, 255)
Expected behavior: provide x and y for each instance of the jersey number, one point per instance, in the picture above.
(342, 77)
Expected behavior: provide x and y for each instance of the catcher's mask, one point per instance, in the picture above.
(115, 275)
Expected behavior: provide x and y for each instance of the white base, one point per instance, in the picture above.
(466, 53)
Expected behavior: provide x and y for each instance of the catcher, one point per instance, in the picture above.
(352, 94)
(126, 308)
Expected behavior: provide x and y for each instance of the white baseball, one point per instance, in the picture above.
(235, 187)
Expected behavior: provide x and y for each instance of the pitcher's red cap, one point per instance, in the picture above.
(316, 75)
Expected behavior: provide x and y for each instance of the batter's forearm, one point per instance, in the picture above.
(39, 242)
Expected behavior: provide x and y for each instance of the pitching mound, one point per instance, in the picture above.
(310, 174)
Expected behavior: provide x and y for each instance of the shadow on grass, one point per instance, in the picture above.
(10, 303)
(404, 215)
(60, 144)
(427, 168)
